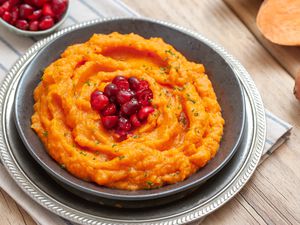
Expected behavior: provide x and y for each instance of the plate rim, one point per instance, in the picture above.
(231, 190)
(124, 195)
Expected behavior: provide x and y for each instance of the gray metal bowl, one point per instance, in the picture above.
(225, 82)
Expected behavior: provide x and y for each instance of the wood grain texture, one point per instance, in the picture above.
(246, 10)
(272, 195)
(11, 213)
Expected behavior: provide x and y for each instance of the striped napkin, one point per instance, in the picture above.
(13, 46)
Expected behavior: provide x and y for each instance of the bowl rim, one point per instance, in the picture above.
(36, 33)
(128, 195)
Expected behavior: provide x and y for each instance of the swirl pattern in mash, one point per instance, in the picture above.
(180, 137)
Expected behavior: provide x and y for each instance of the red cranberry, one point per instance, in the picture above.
(130, 107)
(25, 11)
(122, 134)
(133, 82)
(14, 14)
(6, 6)
(144, 112)
(1, 11)
(59, 6)
(22, 24)
(14, 2)
(98, 100)
(35, 15)
(34, 25)
(111, 90)
(135, 121)
(123, 96)
(109, 110)
(46, 23)
(121, 82)
(38, 3)
(47, 10)
(7, 17)
(143, 85)
(109, 121)
(145, 96)
(124, 124)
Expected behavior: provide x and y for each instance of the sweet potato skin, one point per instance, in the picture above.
(279, 21)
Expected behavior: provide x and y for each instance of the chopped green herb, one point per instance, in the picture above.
(97, 142)
(83, 153)
(150, 183)
(121, 157)
(196, 114)
(136, 136)
(170, 52)
(88, 83)
(114, 145)
(45, 133)
(63, 166)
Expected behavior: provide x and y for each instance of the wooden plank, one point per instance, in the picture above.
(216, 21)
(288, 57)
(11, 213)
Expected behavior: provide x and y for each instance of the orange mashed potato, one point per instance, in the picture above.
(180, 137)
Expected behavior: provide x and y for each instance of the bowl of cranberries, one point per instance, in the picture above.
(33, 17)
(123, 105)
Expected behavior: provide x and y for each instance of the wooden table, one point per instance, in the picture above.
(272, 196)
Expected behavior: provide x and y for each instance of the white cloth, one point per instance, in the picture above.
(13, 46)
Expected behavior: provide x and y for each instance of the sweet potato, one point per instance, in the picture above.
(279, 21)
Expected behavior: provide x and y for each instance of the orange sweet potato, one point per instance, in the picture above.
(279, 21)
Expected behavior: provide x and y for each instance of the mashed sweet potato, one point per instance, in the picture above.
(180, 137)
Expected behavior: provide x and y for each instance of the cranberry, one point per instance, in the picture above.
(111, 90)
(34, 25)
(14, 14)
(123, 96)
(6, 6)
(135, 121)
(122, 134)
(35, 15)
(130, 107)
(121, 82)
(38, 3)
(25, 11)
(144, 112)
(133, 82)
(7, 16)
(124, 124)
(1, 11)
(47, 10)
(143, 85)
(59, 6)
(14, 2)
(22, 24)
(110, 109)
(109, 121)
(145, 96)
(46, 23)
(98, 100)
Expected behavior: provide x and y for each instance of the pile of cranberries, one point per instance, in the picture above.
(32, 15)
(124, 105)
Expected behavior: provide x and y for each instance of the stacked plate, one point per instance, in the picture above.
(211, 187)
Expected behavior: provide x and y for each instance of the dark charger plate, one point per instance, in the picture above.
(224, 80)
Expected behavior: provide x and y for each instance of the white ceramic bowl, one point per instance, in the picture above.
(36, 33)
